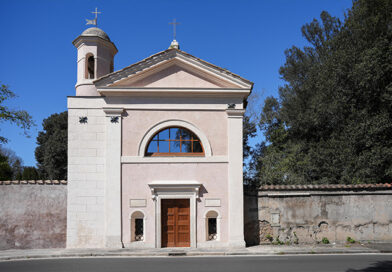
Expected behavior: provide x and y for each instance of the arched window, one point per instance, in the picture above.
(175, 141)
(137, 226)
(90, 67)
(212, 226)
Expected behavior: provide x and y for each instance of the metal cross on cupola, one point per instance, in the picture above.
(93, 21)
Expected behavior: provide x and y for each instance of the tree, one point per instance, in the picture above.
(14, 161)
(30, 173)
(332, 122)
(17, 169)
(19, 117)
(5, 168)
(51, 152)
(249, 131)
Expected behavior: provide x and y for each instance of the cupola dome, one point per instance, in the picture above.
(95, 32)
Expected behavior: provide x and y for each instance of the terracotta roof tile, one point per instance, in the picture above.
(386, 186)
(40, 182)
(169, 51)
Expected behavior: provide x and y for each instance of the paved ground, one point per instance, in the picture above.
(254, 250)
(302, 263)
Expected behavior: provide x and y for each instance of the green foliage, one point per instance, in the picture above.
(278, 242)
(269, 237)
(296, 240)
(30, 173)
(51, 152)
(19, 117)
(350, 240)
(332, 122)
(249, 130)
(5, 168)
(325, 241)
(14, 161)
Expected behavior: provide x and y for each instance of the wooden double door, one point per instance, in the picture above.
(175, 223)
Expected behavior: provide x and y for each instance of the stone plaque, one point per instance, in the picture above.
(275, 219)
(137, 203)
(212, 202)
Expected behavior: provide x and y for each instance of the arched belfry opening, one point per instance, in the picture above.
(90, 67)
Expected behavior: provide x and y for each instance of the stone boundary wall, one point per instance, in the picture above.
(308, 213)
(33, 214)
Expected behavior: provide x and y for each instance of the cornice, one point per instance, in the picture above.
(233, 113)
(196, 92)
(109, 111)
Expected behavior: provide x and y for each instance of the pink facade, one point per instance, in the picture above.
(136, 177)
(135, 180)
(137, 122)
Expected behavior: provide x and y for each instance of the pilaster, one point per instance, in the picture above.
(235, 178)
(113, 178)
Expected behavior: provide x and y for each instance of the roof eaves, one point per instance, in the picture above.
(100, 38)
(222, 70)
(130, 66)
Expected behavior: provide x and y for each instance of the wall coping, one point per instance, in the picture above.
(29, 182)
(326, 187)
(319, 190)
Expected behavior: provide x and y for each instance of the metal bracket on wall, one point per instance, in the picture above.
(114, 119)
(83, 119)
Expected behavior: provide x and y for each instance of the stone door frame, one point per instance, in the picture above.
(175, 190)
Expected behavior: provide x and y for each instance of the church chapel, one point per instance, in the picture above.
(154, 150)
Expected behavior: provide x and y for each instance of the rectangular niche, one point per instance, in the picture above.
(134, 203)
(275, 219)
(212, 202)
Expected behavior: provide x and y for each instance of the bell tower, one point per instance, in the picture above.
(95, 59)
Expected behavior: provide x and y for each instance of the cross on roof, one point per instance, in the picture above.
(174, 23)
(93, 21)
(96, 12)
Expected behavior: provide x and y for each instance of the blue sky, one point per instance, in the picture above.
(39, 61)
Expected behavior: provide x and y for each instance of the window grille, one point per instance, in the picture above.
(212, 229)
(138, 229)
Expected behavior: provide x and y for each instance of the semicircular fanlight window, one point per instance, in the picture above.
(175, 141)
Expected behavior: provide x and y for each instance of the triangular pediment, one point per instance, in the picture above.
(174, 75)
(172, 69)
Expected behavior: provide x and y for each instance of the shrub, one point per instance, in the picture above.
(325, 240)
(350, 240)
(278, 242)
(296, 240)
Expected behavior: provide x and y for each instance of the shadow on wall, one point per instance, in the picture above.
(251, 220)
(378, 266)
